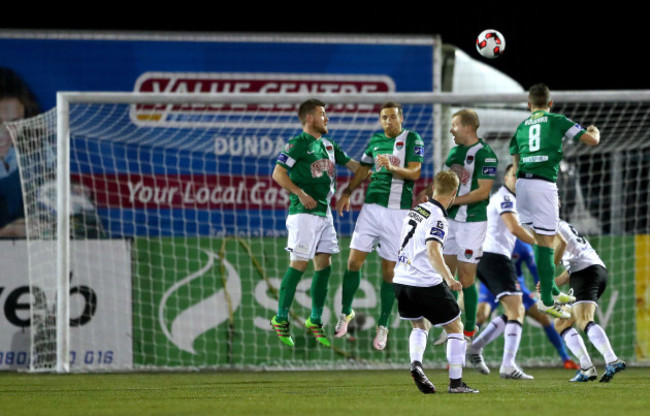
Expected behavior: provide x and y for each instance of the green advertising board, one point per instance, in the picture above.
(207, 302)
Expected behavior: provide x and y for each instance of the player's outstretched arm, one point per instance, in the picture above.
(515, 162)
(591, 137)
(411, 172)
(479, 194)
(562, 279)
(281, 177)
(343, 202)
(434, 253)
(353, 165)
(512, 222)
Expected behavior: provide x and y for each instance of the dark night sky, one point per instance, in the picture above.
(575, 48)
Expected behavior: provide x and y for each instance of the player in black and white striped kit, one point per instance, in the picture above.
(422, 284)
(497, 272)
(587, 276)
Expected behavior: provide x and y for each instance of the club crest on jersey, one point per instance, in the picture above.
(463, 175)
(399, 145)
(470, 159)
(329, 147)
(469, 253)
(320, 166)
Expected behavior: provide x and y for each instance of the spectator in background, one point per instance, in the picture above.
(16, 102)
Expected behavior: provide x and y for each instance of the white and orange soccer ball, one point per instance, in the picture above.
(490, 43)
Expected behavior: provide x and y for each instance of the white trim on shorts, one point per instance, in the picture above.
(502, 294)
(584, 301)
(436, 325)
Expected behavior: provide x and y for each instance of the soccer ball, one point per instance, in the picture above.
(490, 43)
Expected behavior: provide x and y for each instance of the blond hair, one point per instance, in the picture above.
(445, 183)
(468, 117)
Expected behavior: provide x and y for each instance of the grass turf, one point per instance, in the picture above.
(357, 393)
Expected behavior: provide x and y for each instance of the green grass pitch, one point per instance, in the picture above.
(352, 392)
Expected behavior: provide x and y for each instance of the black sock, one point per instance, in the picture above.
(455, 382)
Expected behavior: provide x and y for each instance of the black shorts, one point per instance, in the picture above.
(589, 284)
(497, 272)
(435, 303)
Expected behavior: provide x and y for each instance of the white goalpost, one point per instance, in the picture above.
(155, 235)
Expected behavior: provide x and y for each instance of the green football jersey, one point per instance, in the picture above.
(471, 163)
(384, 188)
(538, 142)
(312, 164)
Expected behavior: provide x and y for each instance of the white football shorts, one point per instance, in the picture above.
(310, 234)
(538, 205)
(465, 240)
(378, 228)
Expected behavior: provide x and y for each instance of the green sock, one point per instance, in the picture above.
(546, 271)
(287, 292)
(351, 282)
(319, 293)
(555, 290)
(470, 299)
(387, 295)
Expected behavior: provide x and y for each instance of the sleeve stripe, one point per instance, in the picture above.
(571, 133)
(367, 160)
(434, 239)
(290, 161)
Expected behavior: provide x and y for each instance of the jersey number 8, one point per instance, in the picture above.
(534, 142)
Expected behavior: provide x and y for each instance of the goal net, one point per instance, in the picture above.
(156, 236)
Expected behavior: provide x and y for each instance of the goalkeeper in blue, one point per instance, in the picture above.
(587, 276)
(523, 254)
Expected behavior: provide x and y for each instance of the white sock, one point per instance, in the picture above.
(489, 334)
(417, 344)
(512, 335)
(576, 345)
(598, 337)
(455, 355)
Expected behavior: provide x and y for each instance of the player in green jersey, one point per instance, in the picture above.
(396, 153)
(536, 148)
(307, 169)
(476, 166)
